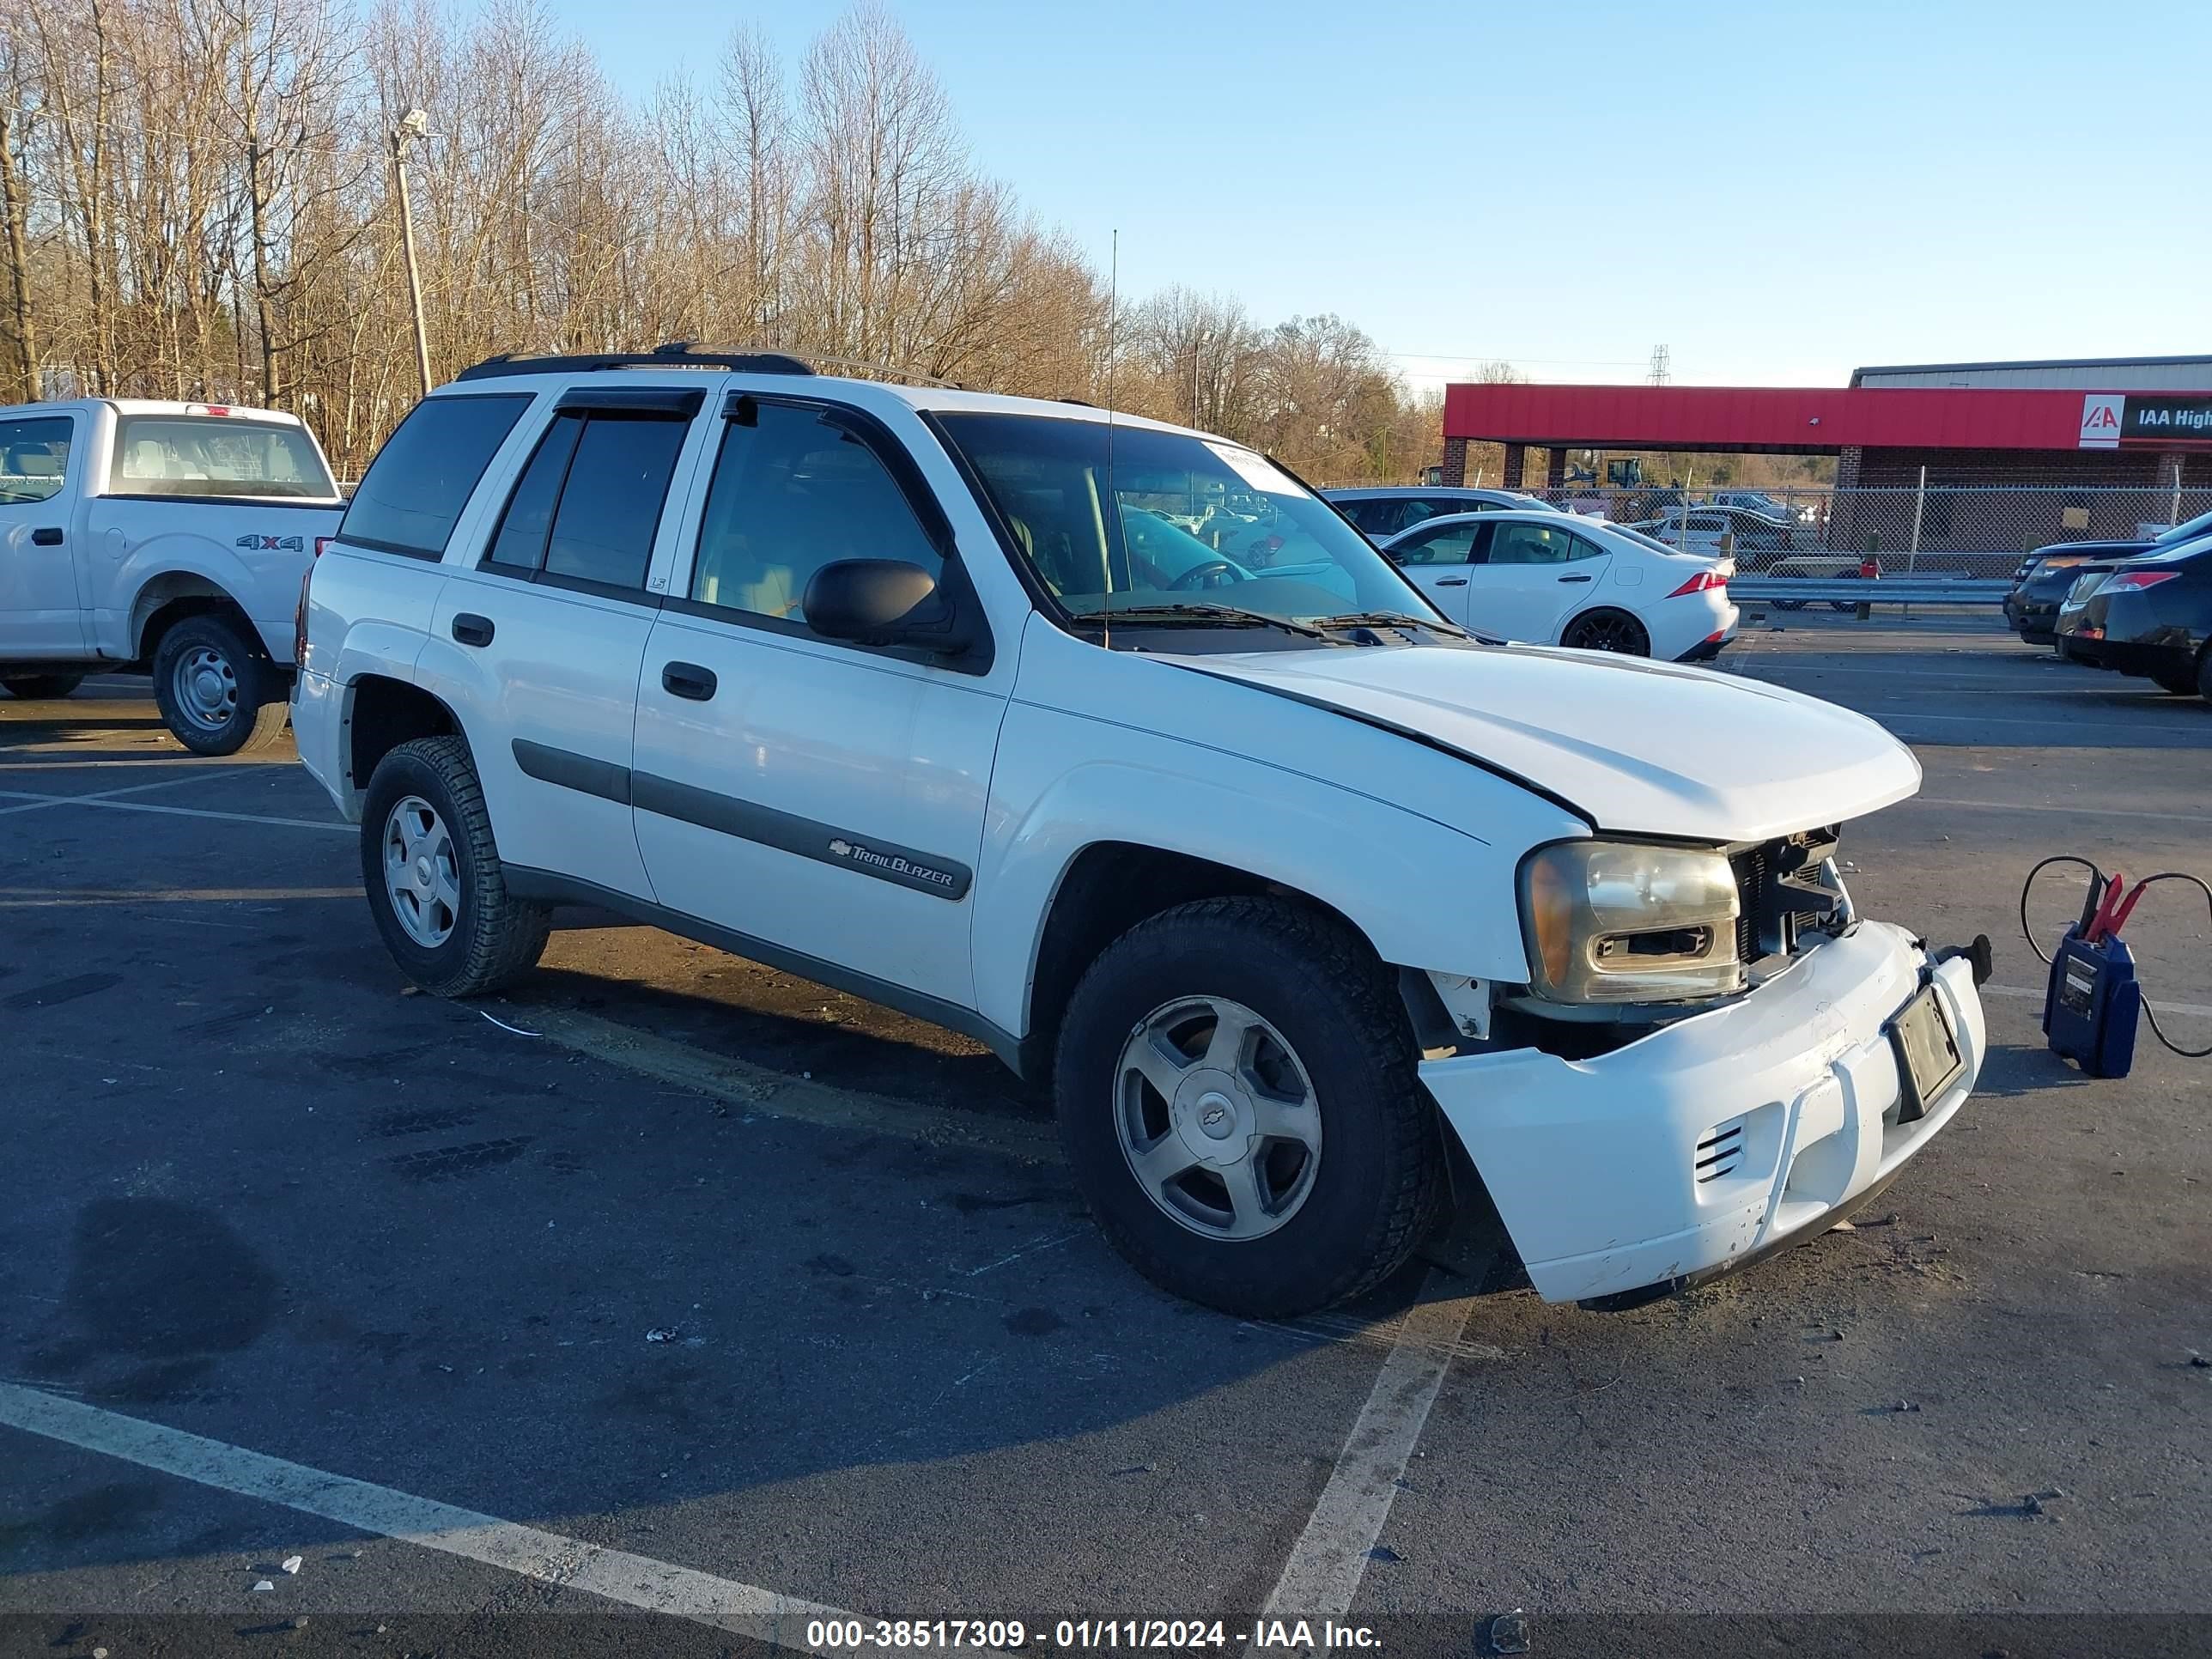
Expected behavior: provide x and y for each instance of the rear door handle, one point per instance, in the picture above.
(1451, 581)
(46, 536)
(688, 679)
(470, 629)
(1574, 579)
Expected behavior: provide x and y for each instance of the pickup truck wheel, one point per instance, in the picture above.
(1236, 1092)
(217, 693)
(39, 688)
(434, 878)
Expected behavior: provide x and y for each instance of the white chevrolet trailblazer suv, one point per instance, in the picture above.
(1112, 746)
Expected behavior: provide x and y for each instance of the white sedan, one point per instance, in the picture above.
(1548, 580)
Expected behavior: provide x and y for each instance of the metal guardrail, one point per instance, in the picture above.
(1887, 590)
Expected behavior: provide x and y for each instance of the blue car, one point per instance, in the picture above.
(2046, 574)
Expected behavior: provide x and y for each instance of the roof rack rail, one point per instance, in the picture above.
(677, 354)
(684, 353)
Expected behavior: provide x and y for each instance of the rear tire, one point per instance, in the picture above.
(434, 882)
(2205, 674)
(41, 688)
(1328, 1130)
(217, 690)
(1608, 630)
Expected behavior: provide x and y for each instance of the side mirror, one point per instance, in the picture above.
(882, 602)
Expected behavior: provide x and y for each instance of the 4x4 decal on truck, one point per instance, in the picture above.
(809, 838)
(273, 543)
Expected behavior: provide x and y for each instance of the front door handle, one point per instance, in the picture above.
(470, 629)
(1451, 581)
(1574, 579)
(46, 536)
(688, 679)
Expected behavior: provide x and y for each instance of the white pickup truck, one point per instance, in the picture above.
(1321, 915)
(170, 537)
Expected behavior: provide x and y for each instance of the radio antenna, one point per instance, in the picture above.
(1112, 504)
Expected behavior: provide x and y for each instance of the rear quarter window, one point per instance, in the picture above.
(415, 490)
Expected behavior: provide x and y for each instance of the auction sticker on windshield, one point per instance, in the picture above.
(1260, 474)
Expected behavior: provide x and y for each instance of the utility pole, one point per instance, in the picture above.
(411, 125)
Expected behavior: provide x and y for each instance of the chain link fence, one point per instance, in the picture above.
(1975, 530)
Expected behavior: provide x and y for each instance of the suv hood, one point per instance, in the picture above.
(1642, 747)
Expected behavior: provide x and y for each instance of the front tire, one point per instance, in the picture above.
(1236, 1092)
(217, 691)
(434, 882)
(41, 688)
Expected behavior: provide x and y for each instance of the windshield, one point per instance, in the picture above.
(1179, 519)
(215, 455)
(2187, 532)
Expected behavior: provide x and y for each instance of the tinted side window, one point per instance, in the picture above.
(416, 487)
(519, 544)
(1369, 516)
(1579, 548)
(1445, 544)
(34, 456)
(1529, 544)
(611, 506)
(790, 494)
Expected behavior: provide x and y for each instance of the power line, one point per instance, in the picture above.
(1511, 357)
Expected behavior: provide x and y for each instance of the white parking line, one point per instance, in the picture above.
(39, 802)
(1999, 720)
(42, 802)
(2188, 1010)
(635, 1581)
(2051, 806)
(48, 899)
(1325, 1568)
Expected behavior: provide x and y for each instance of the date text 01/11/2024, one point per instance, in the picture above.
(1084, 1635)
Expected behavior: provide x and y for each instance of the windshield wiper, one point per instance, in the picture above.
(1218, 616)
(1391, 619)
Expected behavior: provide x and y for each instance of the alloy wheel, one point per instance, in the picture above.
(421, 873)
(1218, 1118)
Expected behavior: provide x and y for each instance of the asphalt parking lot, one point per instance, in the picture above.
(700, 1294)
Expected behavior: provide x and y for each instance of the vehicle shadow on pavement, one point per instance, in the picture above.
(2010, 1071)
(731, 1007)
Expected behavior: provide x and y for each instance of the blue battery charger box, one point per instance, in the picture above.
(2092, 1004)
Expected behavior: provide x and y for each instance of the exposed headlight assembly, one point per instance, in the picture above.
(1614, 922)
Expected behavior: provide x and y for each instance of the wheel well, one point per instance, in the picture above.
(1109, 888)
(167, 600)
(1621, 612)
(386, 713)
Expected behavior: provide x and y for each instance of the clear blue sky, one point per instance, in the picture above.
(1779, 192)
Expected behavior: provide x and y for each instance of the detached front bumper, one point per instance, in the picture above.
(1687, 1151)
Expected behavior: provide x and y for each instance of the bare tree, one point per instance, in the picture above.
(195, 201)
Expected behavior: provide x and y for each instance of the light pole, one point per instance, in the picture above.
(411, 125)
